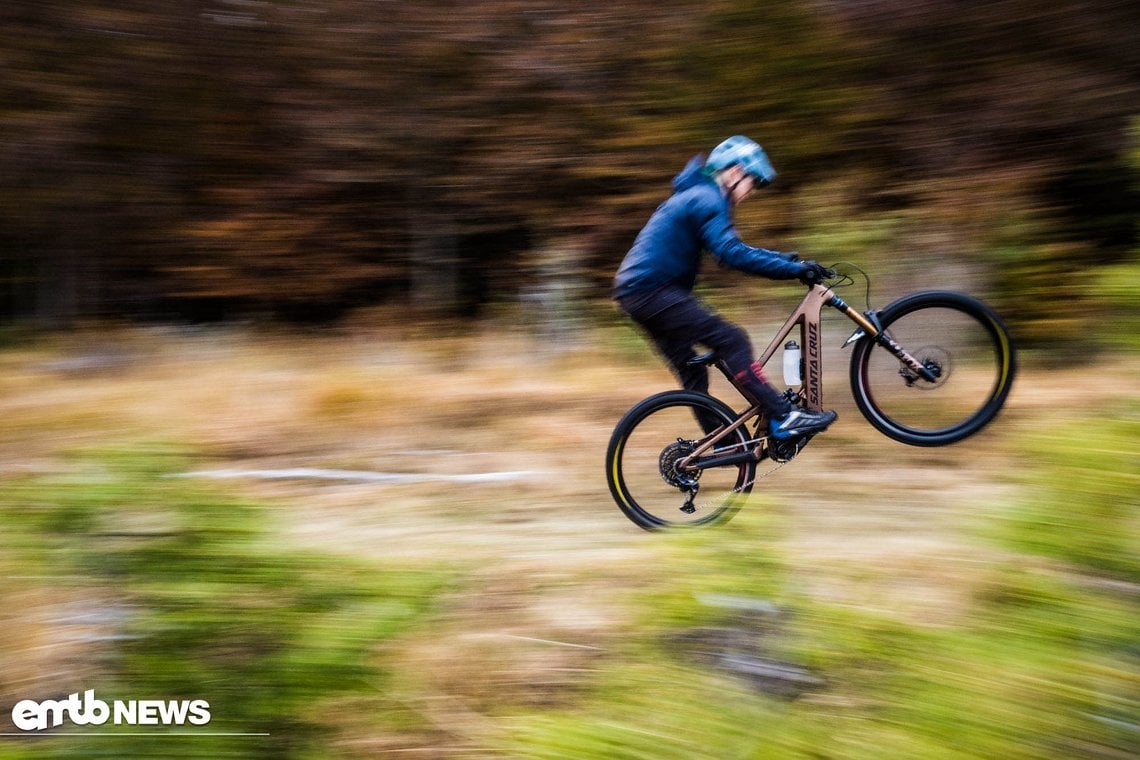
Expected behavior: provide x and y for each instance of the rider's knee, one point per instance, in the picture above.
(731, 339)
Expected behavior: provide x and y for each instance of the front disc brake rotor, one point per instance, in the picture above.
(935, 360)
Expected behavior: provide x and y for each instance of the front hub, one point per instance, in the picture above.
(936, 362)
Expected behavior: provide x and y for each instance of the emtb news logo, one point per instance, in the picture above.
(29, 715)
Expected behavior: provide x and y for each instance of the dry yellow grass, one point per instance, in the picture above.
(549, 559)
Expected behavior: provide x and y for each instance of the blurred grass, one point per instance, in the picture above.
(199, 603)
(1082, 503)
(1041, 667)
(978, 603)
(1116, 288)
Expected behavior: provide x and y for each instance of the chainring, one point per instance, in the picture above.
(785, 451)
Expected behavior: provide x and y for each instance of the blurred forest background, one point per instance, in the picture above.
(296, 159)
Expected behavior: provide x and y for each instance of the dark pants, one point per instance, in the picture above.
(681, 324)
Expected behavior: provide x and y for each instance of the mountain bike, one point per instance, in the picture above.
(929, 369)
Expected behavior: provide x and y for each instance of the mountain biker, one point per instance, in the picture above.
(655, 281)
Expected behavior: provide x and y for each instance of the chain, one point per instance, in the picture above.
(799, 447)
(758, 478)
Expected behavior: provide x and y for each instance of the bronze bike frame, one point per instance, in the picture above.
(808, 317)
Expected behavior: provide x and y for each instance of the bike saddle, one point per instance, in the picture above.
(702, 359)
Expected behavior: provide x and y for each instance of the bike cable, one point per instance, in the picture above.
(846, 279)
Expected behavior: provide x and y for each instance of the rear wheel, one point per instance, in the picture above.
(967, 354)
(645, 453)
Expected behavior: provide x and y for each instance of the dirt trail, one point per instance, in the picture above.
(363, 405)
(546, 559)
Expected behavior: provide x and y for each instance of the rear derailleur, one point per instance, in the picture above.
(687, 482)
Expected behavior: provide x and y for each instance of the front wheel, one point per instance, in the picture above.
(644, 456)
(968, 362)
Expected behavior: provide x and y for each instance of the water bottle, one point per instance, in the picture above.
(792, 364)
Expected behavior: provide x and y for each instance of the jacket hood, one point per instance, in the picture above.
(692, 175)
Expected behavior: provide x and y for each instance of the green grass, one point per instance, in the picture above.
(208, 608)
(1041, 665)
(1016, 682)
(1082, 503)
(530, 621)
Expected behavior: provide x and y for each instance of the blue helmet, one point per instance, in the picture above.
(745, 152)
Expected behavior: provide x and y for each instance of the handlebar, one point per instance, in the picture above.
(817, 273)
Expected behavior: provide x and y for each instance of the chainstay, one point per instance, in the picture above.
(767, 473)
(756, 479)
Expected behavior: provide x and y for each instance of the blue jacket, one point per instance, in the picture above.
(697, 217)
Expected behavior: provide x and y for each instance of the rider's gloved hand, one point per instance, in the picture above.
(814, 272)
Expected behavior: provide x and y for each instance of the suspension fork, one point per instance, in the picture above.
(868, 326)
